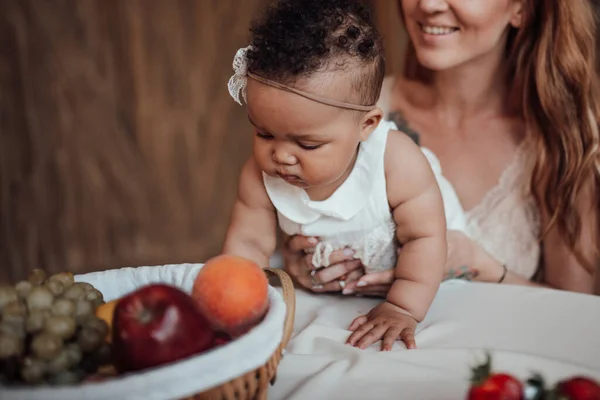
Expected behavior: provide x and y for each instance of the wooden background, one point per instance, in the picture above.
(119, 143)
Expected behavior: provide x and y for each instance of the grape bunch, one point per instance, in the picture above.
(49, 333)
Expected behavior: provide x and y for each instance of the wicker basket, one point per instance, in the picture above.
(255, 384)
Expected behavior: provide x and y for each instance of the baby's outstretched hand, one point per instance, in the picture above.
(387, 322)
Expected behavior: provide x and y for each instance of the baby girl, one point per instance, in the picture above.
(325, 164)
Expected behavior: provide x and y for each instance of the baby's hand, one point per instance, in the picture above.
(385, 321)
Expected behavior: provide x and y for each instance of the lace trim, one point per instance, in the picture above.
(506, 223)
(377, 249)
(509, 178)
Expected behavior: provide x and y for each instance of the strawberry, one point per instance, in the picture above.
(574, 388)
(486, 385)
(577, 388)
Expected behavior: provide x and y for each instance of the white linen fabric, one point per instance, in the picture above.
(526, 330)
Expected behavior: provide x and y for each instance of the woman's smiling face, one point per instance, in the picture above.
(450, 33)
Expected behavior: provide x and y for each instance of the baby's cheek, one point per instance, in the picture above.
(322, 168)
(263, 157)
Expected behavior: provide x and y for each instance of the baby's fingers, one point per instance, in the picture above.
(358, 321)
(408, 337)
(390, 338)
(373, 335)
(359, 332)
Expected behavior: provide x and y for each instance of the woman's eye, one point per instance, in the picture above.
(266, 136)
(310, 146)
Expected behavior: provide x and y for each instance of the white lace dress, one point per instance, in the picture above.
(357, 215)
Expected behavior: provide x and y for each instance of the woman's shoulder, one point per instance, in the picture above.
(397, 92)
(386, 93)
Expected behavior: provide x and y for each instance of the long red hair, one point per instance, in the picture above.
(551, 62)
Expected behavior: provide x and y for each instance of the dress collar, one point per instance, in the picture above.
(352, 195)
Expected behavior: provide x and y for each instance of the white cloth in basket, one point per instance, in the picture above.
(180, 379)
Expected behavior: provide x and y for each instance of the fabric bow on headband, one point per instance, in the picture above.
(238, 82)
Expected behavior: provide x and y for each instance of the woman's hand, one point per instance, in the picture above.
(466, 260)
(298, 264)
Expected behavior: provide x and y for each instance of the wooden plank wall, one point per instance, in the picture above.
(119, 143)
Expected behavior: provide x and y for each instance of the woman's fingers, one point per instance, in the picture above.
(377, 278)
(336, 272)
(350, 281)
(341, 255)
(298, 243)
(334, 286)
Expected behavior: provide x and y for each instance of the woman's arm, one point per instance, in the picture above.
(562, 269)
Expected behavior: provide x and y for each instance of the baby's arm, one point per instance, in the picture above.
(418, 211)
(253, 225)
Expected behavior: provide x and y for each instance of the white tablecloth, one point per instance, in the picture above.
(526, 329)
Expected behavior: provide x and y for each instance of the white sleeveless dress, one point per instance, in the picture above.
(507, 222)
(357, 215)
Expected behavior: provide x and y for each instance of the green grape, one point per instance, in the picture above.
(89, 339)
(14, 312)
(86, 286)
(94, 296)
(74, 353)
(63, 307)
(11, 328)
(66, 278)
(10, 346)
(59, 363)
(66, 378)
(37, 277)
(55, 287)
(33, 370)
(23, 288)
(8, 294)
(35, 321)
(74, 292)
(83, 309)
(46, 346)
(60, 326)
(96, 324)
(40, 298)
(102, 354)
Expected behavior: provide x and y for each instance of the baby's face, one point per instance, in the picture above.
(308, 144)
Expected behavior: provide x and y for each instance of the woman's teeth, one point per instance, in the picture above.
(437, 30)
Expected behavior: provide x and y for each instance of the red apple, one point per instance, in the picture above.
(155, 325)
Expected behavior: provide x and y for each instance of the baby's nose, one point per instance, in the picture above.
(281, 156)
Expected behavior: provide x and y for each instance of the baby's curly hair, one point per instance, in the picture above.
(297, 38)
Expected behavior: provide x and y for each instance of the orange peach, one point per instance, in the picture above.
(232, 293)
(106, 312)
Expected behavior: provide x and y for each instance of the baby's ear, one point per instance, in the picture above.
(369, 122)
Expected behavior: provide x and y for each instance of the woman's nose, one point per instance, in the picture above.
(282, 156)
(432, 6)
